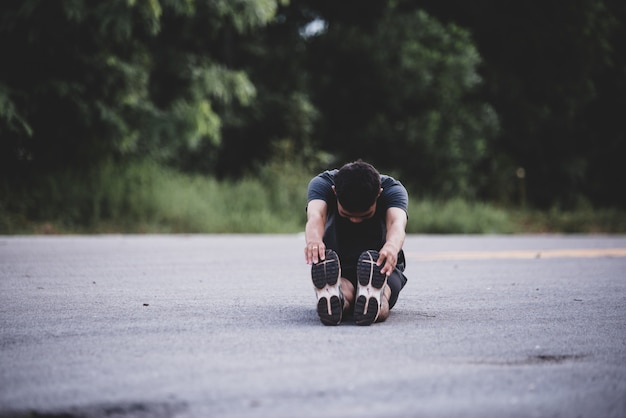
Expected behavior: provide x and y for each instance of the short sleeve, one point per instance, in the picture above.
(394, 194)
(321, 187)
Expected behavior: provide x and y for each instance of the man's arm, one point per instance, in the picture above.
(396, 227)
(316, 213)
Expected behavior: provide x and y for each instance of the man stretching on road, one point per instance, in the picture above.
(355, 229)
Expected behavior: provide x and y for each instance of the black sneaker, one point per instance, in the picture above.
(370, 285)
(325, 275)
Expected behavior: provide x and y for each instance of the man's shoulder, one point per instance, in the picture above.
(394, 194)
(320, 186)
(387, 181)
(329, 174)
(324, 179)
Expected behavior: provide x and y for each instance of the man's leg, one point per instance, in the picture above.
(334, 293)
(372, 297)
(383, 313)
(376, 294)
(347, 288)
(396, 282)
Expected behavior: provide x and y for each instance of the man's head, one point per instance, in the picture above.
(357, 186)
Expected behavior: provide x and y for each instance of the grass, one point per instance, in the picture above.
(458, 216)
(146, 198)
(580, 221)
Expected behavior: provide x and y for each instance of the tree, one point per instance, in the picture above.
(555, 74)
(84, 81)
(396, 88)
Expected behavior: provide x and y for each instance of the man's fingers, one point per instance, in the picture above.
(381, 258)
(387, 268)
(389, 262)
(314, 253)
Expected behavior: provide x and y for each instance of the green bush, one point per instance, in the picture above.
(144, 197)
(584, 220)
(457, 216)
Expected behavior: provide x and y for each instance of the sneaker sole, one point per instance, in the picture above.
(325, 275)
(371, 283)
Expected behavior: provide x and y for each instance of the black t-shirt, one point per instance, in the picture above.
(349, 239)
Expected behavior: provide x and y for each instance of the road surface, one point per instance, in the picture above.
(225, 326)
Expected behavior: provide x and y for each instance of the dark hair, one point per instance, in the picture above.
(357, 185)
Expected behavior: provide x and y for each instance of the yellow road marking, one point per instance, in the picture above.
(518, 254)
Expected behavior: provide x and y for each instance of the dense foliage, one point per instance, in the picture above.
(452, 97)
(556, 74)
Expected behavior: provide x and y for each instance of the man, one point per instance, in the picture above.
(355, 229)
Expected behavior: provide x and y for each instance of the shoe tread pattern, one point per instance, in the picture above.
(325, 276)
(330, 312)
(326, 272)
(370, 284)
(368, 272)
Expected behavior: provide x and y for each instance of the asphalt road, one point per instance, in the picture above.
(225, 325)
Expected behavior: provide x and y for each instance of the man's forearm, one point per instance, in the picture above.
(396, 227)
(395, 237)
(314, 230)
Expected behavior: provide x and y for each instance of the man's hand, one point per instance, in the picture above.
(314, 252)
(388, 257)
(396, 224)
